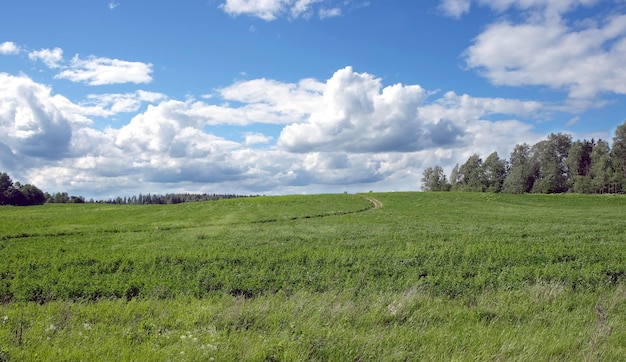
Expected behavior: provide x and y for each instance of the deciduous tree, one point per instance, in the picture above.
(494, 173)
(579, 165)
(551, 155)
(434, 179)
(471, 175)
(618, 157)
(522, 171)
(600, 170)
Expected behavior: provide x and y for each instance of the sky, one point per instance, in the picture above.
(106, 98)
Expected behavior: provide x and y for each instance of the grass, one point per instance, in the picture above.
(430, 276)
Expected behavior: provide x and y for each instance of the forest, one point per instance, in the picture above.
(554, 165)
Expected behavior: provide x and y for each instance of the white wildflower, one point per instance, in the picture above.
(87, 326)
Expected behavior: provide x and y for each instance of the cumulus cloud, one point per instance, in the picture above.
(52, 58)
(272, 9)
(455, 8)
(30, 122)
(358, 116)
(101, 71)
(8, 48)
(545, 48)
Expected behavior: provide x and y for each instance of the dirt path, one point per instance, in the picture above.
(377, 204)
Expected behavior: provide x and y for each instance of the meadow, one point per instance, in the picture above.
(428, 276)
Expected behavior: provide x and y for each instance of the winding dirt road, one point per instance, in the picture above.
(377, 204)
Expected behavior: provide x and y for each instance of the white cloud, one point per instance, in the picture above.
(9, 48)
(348, 130)
(357, 116)
(286, 102)
(302, 8)
(329, 13)
(103, 105)
(52, 58)
(112, 5)
(347, 133)
(30, 122)
(101, 71)
(462, 107)
(128, 102)
(253, 138)
(455, 8)
(264, 9)
(544, 8)
(94, 70)
(272, 9)
(583, 62)
(550, 8)
(550, 47)
(572, 121)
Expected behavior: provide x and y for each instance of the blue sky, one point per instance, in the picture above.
(113, 98)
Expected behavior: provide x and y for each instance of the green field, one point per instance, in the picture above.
(429, 276)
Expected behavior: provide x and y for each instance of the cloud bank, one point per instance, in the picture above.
(348, 131)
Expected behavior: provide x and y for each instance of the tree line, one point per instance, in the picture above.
(173, 198)
(16, 194)
(141, 199)
(554, 165)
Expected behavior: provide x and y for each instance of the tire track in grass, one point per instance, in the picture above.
(377, 204)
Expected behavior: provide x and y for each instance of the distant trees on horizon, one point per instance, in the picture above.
(173, 198)
(554, 165)
(141, 199)
(25, 195)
